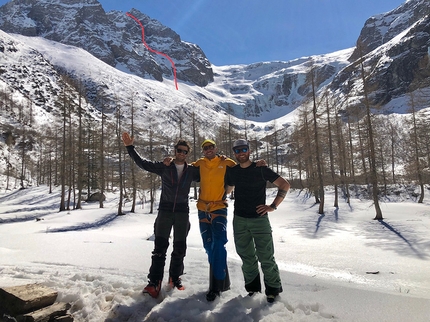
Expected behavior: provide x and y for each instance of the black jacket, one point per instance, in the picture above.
(174, 194)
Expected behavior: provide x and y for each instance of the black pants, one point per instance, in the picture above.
(162, 228)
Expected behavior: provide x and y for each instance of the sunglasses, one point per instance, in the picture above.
(182, 151)
(209, 147)
(237, 151)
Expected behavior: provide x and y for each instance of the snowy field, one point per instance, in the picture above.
(98, 261)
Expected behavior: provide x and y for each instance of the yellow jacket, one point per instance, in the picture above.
(212, 182)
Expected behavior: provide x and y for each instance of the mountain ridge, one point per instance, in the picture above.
(112, 37)
(260, 92)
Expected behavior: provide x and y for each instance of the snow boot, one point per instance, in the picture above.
(212, 295)
(270, 298)
(176, 283)
(153, 289)
(219, 285)
(272, 293)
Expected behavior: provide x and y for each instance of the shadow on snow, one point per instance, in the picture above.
(195, 308)
(404, 240)
(85, 226)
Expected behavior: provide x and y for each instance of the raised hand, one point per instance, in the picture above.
(127, 139)
(167, 161)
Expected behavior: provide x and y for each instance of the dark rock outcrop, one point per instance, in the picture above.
(112, 37)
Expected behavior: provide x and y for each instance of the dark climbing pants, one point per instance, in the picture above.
(162, 228)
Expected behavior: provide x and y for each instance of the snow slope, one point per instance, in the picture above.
(98, 262)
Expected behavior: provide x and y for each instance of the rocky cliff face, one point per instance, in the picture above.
(394, 47)
(380, 29)
(112, 37)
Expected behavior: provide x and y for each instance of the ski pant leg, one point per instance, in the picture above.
(219, 253)
(181, 227)
(162, 228)
(245, 248)
(263, 240)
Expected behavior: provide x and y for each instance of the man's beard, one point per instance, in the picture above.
(243, 159)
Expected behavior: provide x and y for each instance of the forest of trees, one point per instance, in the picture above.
(332, 143)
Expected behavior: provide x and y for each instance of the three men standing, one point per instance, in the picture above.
(252, 231)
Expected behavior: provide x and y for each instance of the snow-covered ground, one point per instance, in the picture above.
(99, 261)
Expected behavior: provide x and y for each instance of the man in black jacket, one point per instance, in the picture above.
(173, 212)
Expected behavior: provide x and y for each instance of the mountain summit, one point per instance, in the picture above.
(113, 37)
(393, 46)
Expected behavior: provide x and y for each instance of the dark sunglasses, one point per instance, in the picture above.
(237, 151)
(208, 147)
(181, 151)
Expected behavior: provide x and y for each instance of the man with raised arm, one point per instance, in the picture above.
(173, 212)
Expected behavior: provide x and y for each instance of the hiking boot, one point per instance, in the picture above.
(211, 295)
(153, 289)
(271, 298)
(176, 283)
(216, 284)
(272, 293)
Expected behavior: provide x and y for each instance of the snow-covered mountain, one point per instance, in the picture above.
(396, 49)
(112, 37)
(103, 51)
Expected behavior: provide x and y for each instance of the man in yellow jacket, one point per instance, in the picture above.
(212, 210)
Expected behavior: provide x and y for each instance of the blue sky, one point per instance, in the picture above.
(248, 31)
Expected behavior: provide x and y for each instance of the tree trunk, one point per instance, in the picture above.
(372, 156)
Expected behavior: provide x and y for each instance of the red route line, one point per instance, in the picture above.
(152, 50)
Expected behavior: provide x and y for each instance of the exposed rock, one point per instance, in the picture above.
(394, 68)
(48, 313)
(26, 298)
(394, 48)
(32, 302)
(382, 28)
(112, 37)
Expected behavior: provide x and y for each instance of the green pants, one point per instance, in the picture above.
(254, 243)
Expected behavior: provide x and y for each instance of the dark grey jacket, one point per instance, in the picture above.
(174, 193)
